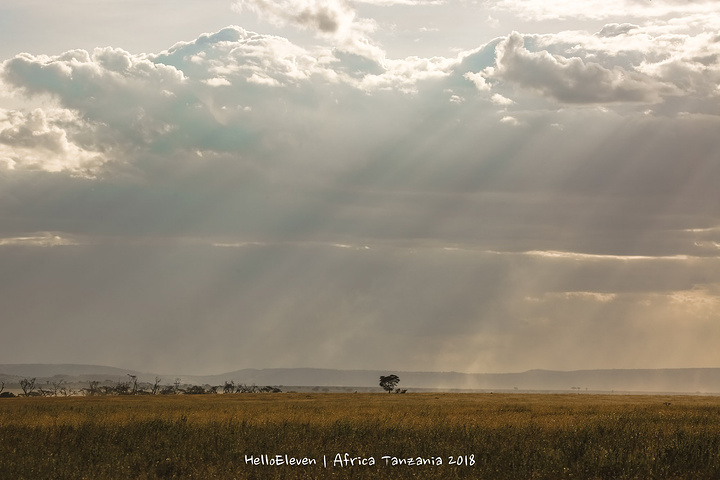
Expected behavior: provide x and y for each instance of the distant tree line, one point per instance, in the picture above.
(131, 386)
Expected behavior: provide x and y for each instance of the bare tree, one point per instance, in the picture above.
(4, 394)
(156, 385)
(60, 387)
(133, 384)
(92, 388)
(28, 386)
(43, 392)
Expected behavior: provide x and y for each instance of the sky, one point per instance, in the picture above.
(432, 185)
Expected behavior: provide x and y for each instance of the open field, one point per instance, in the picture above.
(493, 436)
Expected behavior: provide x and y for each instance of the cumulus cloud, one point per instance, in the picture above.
(88, 79)
(228, 91)
(123, 96)
(332, 19)
(498, 99)
(619, 64)
(43, 140)
(325, 16)
(224, 91)
(572, 80)
(234, 55)
(692, 64)
(670, 65)
(177, 99)
(405, 74)
(478, 79)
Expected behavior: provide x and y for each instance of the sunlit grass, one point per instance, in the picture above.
(508, 436)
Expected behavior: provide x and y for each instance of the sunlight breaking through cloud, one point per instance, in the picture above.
(409, 184)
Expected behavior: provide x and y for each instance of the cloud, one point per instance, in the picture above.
(226, 91)
(176, 99)
(498, 99)
(48, 141)
(312, 202)
(601, 9)
(572, 80)
(685, 68)
(326, 16)
(119, 96)
(585, 256)
(218, 82)
(693, 65)
(335, 20)
(302, 299)
(86, 79)
(234, 55)
(615, 29)
(349, 145)
(47, 239)
(406, 74)
(385, 3)
(649, 329)
(620, 64)
(222, 92)
(311, 155)
(478, 79)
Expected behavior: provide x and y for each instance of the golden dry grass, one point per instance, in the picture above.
(501, 435)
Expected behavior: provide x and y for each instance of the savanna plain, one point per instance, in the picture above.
(361, 436)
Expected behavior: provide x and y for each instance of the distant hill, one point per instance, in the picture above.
(682, 380)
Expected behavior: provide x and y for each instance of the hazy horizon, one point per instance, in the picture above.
(704, 381)
(418, 185)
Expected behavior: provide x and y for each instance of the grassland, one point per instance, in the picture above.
(514, 436)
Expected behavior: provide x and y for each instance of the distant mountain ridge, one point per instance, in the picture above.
(679, 380)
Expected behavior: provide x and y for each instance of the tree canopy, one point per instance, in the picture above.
(389, 382)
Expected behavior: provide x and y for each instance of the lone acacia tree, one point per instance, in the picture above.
(389, 382)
